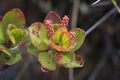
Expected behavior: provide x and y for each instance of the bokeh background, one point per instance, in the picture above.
(100, 51)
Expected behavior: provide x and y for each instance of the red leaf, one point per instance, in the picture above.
(53, 17)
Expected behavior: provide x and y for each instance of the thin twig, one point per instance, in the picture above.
(116, 5)
(73, 24)
(100, 21)
(101, 4)
(71, 74)
(96, 2)
(103, 60)
(75, 13)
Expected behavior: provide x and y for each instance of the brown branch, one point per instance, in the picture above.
(73, 24)
(75, 13)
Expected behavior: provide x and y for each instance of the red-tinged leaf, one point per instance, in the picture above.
(44, 69)
(58, 34)
(79, 36)
(65, 40)
(53, 17)
(15, 17)
(73, 41)
(57, 47)
(77, 62)
(68, 42)
(62, 40)
(4, 50)
(64, 57)
(38, 36)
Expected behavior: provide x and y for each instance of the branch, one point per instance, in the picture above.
(73, 24)
(75, 13)
(100, 21)
(103, 59)
(101, 4)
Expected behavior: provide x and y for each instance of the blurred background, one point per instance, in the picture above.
(100, 51)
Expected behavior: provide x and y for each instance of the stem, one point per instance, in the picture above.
(116, 5)
(103, 60)
(75, 13)
(100, 21)
(96, 2)
(73, 24)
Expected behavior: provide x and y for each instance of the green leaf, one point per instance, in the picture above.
(19, 35)
(2, 39)
(62, 41)
(15, 17)
(47, 60)
(4, 50)
(33, 50)
(56, 27)
(16, 35)
(64, 57)
(80, 37)
(24, 37)
(11, 37)
(56, 38)
(53, 17)
(65, 40)
(9, 60)
(77, 62)
(38, 36)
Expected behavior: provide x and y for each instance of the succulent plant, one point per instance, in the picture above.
(12, 34)
(52, 43)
